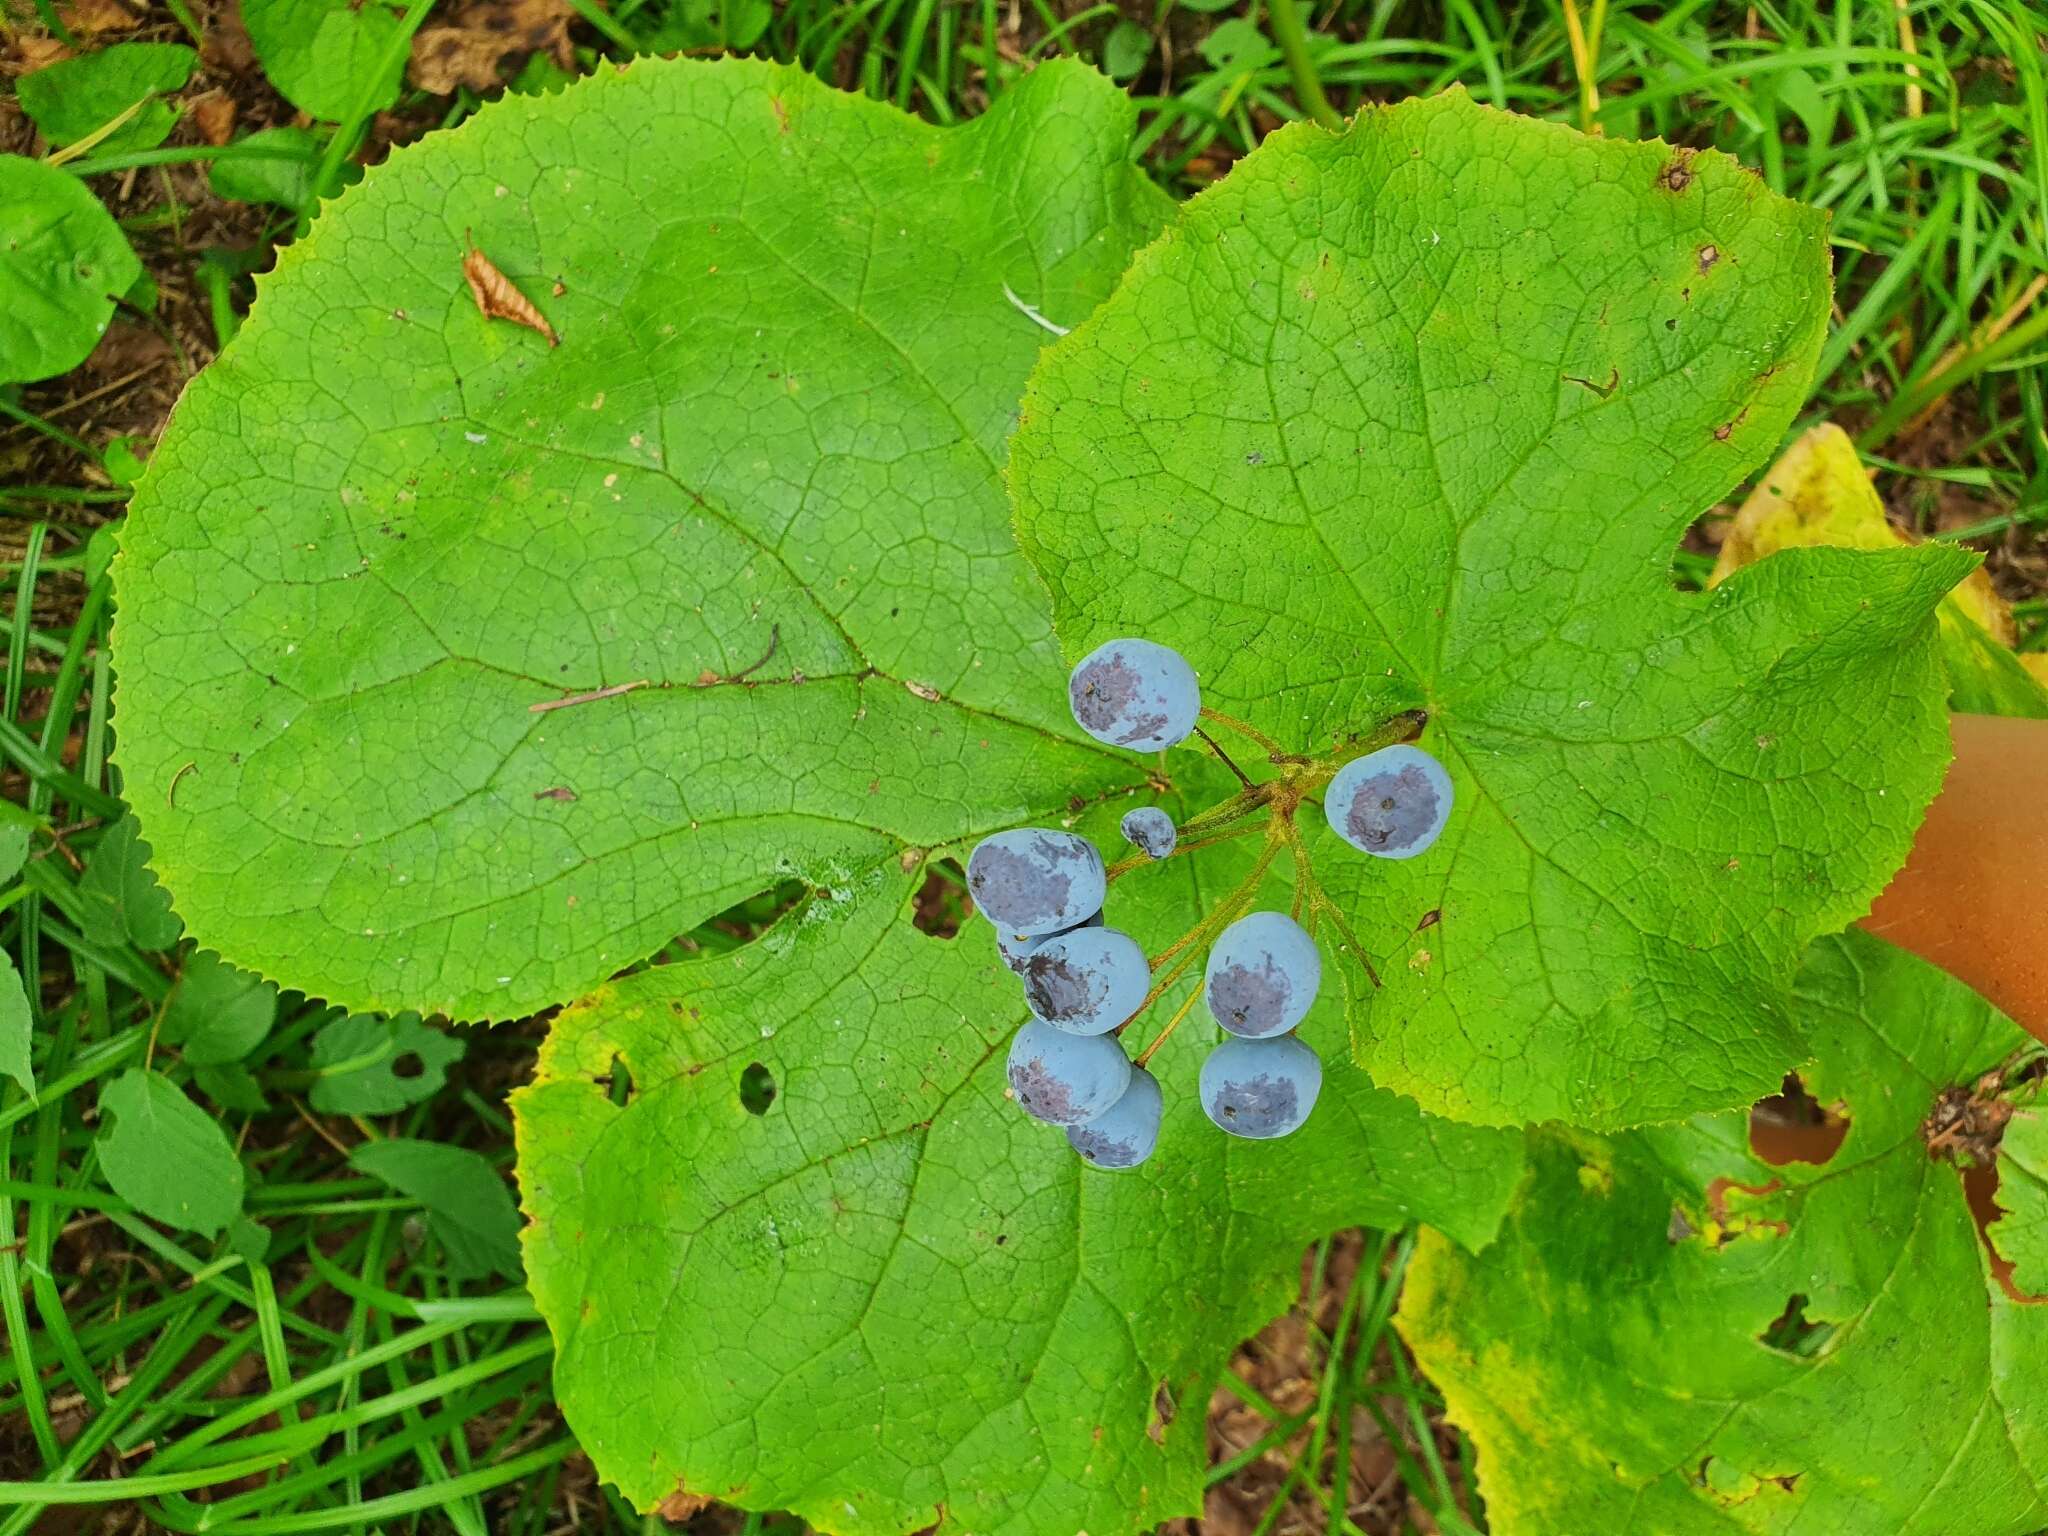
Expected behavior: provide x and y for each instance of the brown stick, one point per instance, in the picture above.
(587, 698)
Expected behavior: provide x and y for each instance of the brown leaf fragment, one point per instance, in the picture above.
(497, 298)
(472, 45)
(34, 52)
(682, 1504)
(561, 792)
(93, 17)
(214, 116)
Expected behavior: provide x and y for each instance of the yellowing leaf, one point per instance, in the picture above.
(1818, 493)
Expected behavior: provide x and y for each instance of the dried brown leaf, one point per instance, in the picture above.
(471, 45)
(92, 17)
(498, 299)
(214, 116)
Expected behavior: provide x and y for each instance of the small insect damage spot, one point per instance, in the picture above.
(617, 1082)
(1163, 1410)
(757, 1088)
(942, 906)
(682, 1504)
(1966, 1124)
(1677, 173)
(1604, 389)
(1729, 1213)
(1708, 255)
(1792, 1332)
(1791, 1126)
(1730, 1485)
(559, 792)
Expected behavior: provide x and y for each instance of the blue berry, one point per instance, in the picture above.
(1261, 1088)
(1086, 982)
(1151, 831)
(1016, 947)
(1262, 975)
(1035, 881)
(1123, 1135)
(1392, 803)
(1066, 1079)
(1136, 694)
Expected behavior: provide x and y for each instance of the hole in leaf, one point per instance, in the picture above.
(1163, 1409)
(617, 1082)
(1791, 1126)
(740, 923)
(942, 903)
(757, 1088)
(408, 1064)
(1792, 1332)
(1980, 1191)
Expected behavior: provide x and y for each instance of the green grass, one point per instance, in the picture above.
(344, 1381)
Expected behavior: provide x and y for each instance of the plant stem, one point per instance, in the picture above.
(1319, 902)
(1140, 860)
(1249, 732)
(1210, 741)
(1242, 804)
(1292, 37)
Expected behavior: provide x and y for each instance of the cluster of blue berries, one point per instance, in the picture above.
(1083, 981)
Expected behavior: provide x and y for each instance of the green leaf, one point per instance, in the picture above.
(63, 262)
(17, 1027)
(164, 1156)
(1414, 416)
(249, 1240)
(217, 1014)
(232, 1086)
(377, 1066)
(13, 849)
(890, 1229)
(123, 904)
(272, 165)
(329, 58)
(684, 24)
(469, 1210)
(2020, 1232)
(784, 400)
(1819, 493)
(1984, 676)
(75, 97)
(1126, 50)
(1674, 1335)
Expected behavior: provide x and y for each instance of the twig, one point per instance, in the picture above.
(774, 639)
(586, 698)
(1171, 1025)
(1250, 733)
(1242, 777)
(1030, 312)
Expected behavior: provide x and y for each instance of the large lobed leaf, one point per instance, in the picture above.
(1673, 1335)
(1415, 415)
(776, 496)
(891, 1300)
(760, 474)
